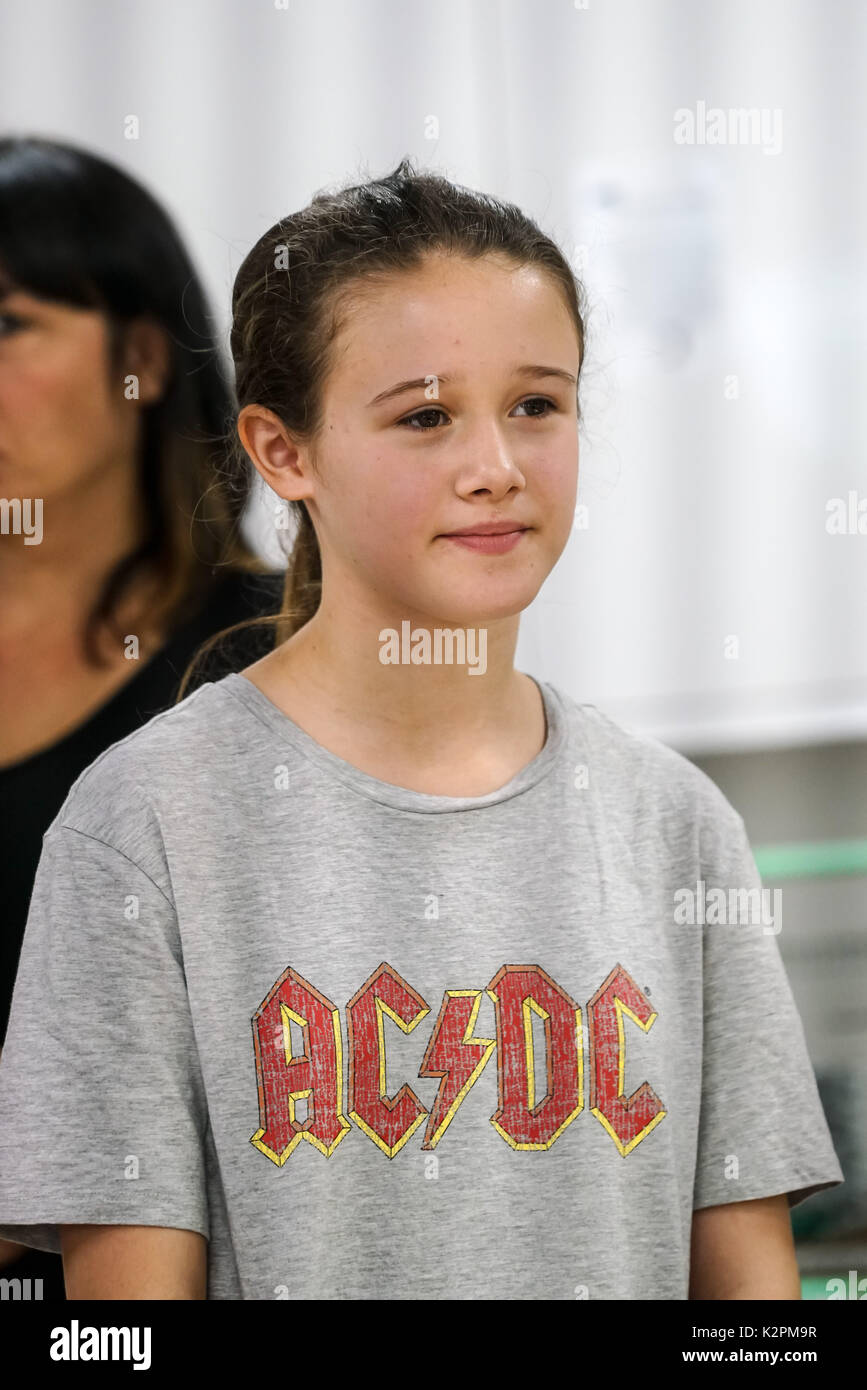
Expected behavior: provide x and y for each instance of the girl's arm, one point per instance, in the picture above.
(107, 1262)
(744, 1250)
(10, 1250)
(101, 1042)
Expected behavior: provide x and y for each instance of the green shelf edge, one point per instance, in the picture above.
(805, 860)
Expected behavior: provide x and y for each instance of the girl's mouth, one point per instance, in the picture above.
(496, 544)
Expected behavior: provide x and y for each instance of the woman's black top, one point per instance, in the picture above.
(33, 790)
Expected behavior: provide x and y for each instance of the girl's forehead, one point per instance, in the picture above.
(445, 276)
(464, 309)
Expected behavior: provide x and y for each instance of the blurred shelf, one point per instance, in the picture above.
(805, 860)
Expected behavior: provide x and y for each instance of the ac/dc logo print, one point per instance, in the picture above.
(454, 1056)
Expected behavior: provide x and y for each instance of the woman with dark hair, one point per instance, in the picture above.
(364, 972)
(121, 546)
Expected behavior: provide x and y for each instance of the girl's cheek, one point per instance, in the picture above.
(411, 508)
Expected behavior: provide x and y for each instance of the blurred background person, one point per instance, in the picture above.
(121, 549)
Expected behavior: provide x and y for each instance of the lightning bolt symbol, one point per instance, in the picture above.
(455, 1056)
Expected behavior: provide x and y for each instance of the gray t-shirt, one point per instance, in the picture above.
(374, 1043)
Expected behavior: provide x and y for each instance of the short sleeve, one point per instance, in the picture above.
(762, 1129)
(102, 1110)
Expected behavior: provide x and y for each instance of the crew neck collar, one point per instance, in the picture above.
(387, 793)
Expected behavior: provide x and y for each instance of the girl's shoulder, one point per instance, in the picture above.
(123, 789)
(633, 768)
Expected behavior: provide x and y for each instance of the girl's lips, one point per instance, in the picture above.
(489, 545)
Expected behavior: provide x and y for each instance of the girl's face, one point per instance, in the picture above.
(485, 432)
(63, 417)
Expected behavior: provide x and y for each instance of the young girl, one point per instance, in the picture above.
(373, 971)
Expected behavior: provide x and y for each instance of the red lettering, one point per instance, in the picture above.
(627, 1118)
(519, 991)
(388, 1120)
(316, 1076)
(454, 1055)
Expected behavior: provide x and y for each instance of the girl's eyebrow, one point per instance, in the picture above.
(526, 369)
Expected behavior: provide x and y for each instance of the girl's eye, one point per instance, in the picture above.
(539, 400)
(420, 415)
(9, 322)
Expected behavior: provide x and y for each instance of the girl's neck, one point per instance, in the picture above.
(432, 728)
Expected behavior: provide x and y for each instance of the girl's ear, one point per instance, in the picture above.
(274, 452)
(147, 356)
